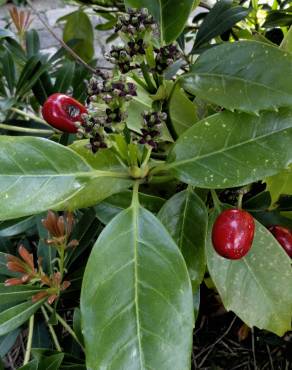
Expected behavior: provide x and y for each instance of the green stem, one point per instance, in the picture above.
(161, 179)
(160, 168)
(147, 78)
(147, 157)
(52, 331)
(239, 199)
(29, 341)
(65, 326)
(30, 116)
(139, 81)
(135, 197)
(25, 129)
(216, 201)
(61, 251)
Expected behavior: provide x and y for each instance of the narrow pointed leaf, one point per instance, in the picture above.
(15, 294)
(13, 317)
(258, 287)
(234, 76)
(232, 149)
(137, 310)
(38, 174)
(185, 216)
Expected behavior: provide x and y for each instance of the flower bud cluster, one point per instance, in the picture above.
(135, 28)
(107, 98)
(135, 23)
(165, 56)
(151, 130)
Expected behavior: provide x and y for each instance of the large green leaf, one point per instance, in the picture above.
(221, 18)
(171, 15)
(15, 227)
(182, 111)
(258, 287)
(234, 75)
(280, 184)
(185, 216)
(78, 27)
(13, 317)
(232, 149)
(7, 341)
(136, 299)
(38, 174)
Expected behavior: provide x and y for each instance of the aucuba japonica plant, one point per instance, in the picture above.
(178, 165)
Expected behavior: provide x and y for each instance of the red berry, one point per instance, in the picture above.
(284, 237)
(61, 111)
(233, 233)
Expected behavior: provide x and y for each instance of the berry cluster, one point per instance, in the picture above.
(166, 56)
(135, 23)
(107, 98)
(152, 125)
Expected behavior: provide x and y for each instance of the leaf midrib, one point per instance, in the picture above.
(194, 159)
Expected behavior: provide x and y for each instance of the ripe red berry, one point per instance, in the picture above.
(61, 111)
(233, 233)
(284, 237)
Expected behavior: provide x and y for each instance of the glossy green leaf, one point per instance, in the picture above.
(64, 77)
(32, 42)
(232, 149)
(38, 174)
(18, 293)
(9, 70)
(110, 207)
(221, 18)
(78, 27)
(286, 43)
(7, 341)
(15, 227)
(182, 111)
(32, 365)
(185, 216)
(137, 309)
(280, 184)
(171, 15)
(234, 76)
(258, 287)
(13, 317)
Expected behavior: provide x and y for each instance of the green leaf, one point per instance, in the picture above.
(170, 15)
(286, 43)
(185, 216)
(32, 42)
(37, 174)
(15, 227)
(30, 74)
(78, 27)
(182, 111)
(110, 207)
(232, 149)
(137, 309)
(32, 365)
(276, 18)
(18, 293)
(234, 75)
(13, 317)
(9, 71)
(280, 184)
(258, 287)
(7, 341)
(64, 77)
(3, 31)
(221, 18)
